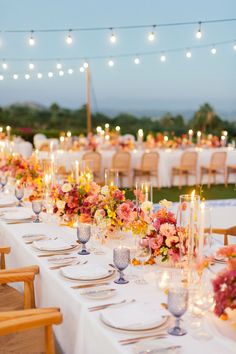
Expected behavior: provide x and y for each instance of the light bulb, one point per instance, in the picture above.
(69, 38)
(234, 47)
(81, 69)
(112, 38)
(188, 54)
(39, 75)
(111, 62)
(213, 50)
(151, 36)
(15, 77)
(85, 65)
(59, 66)
(27, 76)
(4, 65)
(61, 73)
(70, 71)
(1, 77)
(163, 58)
(199, 32)
(31, 66)
(136, 60)
(50, 74)
(31, 39)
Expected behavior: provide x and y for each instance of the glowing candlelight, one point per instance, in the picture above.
(166, 138)
(1, 129)
(201, 231)
(107, 127)
(190, 135)
(8, 130)
(199, 134)
(68, 134)
(118, 129)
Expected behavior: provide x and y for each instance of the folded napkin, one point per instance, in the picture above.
(87, 271)
(137, 315)
(51, 245)
(17, 215)
(6, 200)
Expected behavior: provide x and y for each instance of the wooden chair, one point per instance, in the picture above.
(188, 166)
(96, 158)
(230, 169)
(217, 166)
(149, 166)
(121, 162)
(231, 231)
(3, 250)
(28, 331)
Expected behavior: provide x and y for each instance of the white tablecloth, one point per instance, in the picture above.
(168, 159)
(82, 331)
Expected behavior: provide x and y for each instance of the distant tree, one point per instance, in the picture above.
(54, 109)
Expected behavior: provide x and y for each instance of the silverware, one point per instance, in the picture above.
(138, 339)
(18, 222)
(105, 306)
(160, 350)
(66, 265)
(90, 292)
(112, 265)
(88, 285)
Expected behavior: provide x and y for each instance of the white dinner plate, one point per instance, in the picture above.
(87, 272)
(17, 216)
(52, 245)
(99, 294)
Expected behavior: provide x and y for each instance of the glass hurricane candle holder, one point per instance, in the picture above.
(83, 235)
(121, 259)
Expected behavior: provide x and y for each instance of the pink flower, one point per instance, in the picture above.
(118, 195)
(156, 224)
(156, 243)
(171, 240)
(167, 230)
(125, 213)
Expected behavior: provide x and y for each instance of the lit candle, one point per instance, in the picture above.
(225, 134)
(68, 134)
(166, 138)
(107, 126)
(118, 129)
(36, 154)
(201, 231)
(51, 146)
(107, 138)
(99, 130)
(222, 141)
(199, 134)
(140, 136)
(62, 139)
(190, 135)
(1, 129)
(8, 130)
(77, 171)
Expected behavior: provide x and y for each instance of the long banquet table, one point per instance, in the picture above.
(168, 159)
(81, 331)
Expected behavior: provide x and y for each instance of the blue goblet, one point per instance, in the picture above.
(83, 235)
(177, 305)
(121, 259)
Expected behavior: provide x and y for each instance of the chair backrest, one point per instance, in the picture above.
(218, 159)
(96, 158)
(44, 146)
(121, 161)
(150, 161)
(231, 231)
(189, 159)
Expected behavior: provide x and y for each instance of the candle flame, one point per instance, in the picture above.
(193, 194)
(202, 206)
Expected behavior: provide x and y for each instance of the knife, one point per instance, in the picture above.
(160, 350)
(88, 285)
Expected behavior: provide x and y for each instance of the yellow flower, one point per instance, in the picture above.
(165, 204)
(61, 204)
(111, 213)
(66, 187)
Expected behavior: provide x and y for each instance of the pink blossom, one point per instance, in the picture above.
(156, 243)
(118, 195)
(167, 230)
(125, 213)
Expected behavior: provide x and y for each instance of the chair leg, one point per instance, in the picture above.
(180, 179)
(225, 240)
(209, 180)
(49, 340)
(2, 263)
(226, 178)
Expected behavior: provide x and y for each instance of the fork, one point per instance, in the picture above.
(105, 306)
(138, 339)
(66, 265)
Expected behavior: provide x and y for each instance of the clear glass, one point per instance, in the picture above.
(37, 206)
(177, 305)
(208, 240)
(83, 235)
(142, 254)
(111, 177)
(86, 169)
(143, 192)
(19, 193)
(3, 181)
(121, 259)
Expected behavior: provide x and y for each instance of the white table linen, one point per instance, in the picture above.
(82, 331)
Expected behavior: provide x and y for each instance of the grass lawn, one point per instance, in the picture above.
(172, 194)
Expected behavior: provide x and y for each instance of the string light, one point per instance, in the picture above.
(81, 69)
(31, 66)
(234, 47)
(199, 32)
(39, 75)
(50, 74)
(112, 37)
(4, 65)
(213, 50)
(70, 71)
(59, 66)
(151, 35)
(188, 54)
(31, 39)
(27, 76)
(136, 60)
(15, 77)
(1, 77)
(61, 73)
(85, 65)
(111, 62)
(163, 58)
(69, 39)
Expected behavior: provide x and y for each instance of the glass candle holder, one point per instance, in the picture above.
(121, 259)
(83, 235)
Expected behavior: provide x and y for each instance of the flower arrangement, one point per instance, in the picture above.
(224, 285)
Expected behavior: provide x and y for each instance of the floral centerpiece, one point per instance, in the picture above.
(224, 285)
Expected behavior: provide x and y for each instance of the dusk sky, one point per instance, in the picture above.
(178, 83)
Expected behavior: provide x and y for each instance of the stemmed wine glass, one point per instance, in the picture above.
(121, 259)
(177, 305)
(3, 181)
(19, 193)
(142, 254)
(83, 235)
(37, 208)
